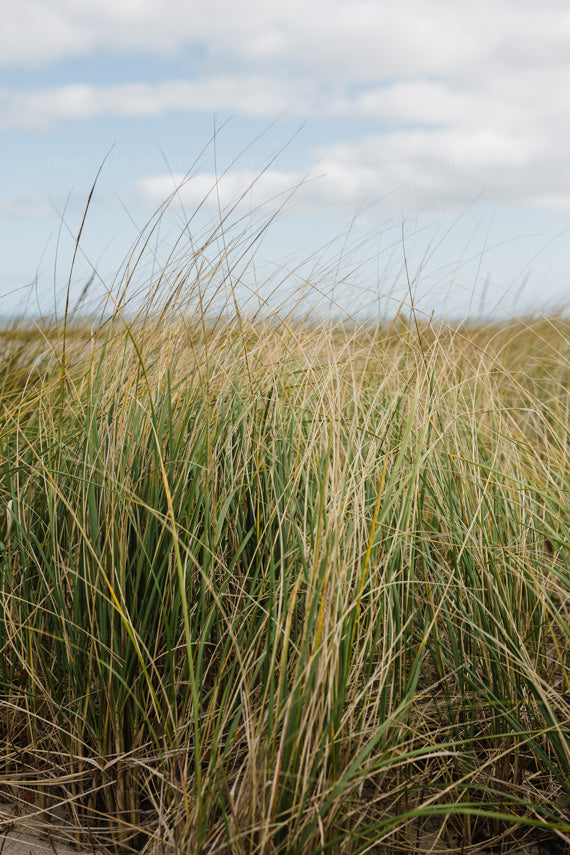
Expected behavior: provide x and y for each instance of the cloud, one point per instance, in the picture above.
(448, 168)
(334, 40)
(441, 170)
(449, 99)
(243, 188)
(249, 95)
(347, 39)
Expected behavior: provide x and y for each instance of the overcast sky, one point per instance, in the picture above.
(434, 131)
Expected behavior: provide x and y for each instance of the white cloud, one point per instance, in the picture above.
(444, 169)
(346, 40)
(459, 98)
(249, 190)
(249, 95)
(439, 170)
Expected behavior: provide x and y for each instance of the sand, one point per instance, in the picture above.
(27, 833)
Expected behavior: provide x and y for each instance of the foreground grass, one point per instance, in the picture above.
(273, 588)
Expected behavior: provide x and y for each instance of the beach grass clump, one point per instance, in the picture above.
(272, 586)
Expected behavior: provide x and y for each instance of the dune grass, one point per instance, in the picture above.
(277, 587)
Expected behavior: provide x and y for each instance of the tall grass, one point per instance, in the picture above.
(277, 587)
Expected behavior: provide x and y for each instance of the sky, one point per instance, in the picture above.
(360, 153)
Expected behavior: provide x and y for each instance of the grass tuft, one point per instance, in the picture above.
(270, 586)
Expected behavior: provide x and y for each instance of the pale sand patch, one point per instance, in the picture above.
(28, 833)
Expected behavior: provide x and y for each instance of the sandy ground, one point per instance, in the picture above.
(25, 833)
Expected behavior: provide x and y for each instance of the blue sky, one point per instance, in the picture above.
(432, 133)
